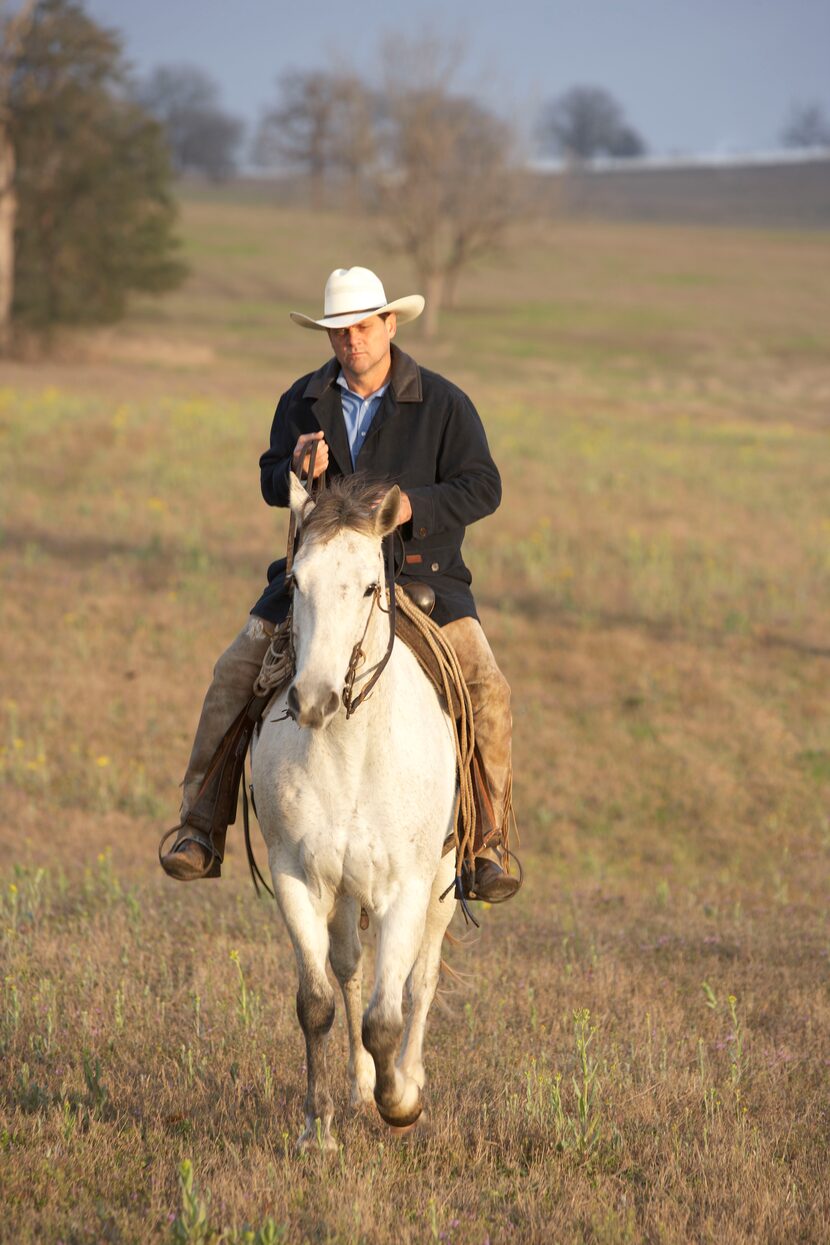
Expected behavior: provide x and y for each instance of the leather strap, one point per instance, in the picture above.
(313, 488)
(350, 701)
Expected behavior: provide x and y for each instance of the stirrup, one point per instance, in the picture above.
(214, 867)
(468, 879)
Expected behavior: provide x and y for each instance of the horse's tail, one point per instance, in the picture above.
(451, 981)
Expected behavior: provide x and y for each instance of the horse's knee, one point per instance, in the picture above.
(315, 1008)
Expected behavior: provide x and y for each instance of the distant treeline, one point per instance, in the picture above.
(88, 153)
(768, 196)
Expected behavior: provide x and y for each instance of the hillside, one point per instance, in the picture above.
(638, 1048)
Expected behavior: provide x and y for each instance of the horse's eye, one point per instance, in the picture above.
(370, 591)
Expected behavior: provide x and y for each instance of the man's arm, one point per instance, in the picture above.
(469, 485)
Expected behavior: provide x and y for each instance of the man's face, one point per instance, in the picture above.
(363, 347)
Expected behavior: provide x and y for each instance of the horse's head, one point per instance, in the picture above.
(338, 572)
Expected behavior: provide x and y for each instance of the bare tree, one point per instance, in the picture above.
(202, 137)
(322, 124)
(437, 165)
(448, 184)
(14, 30)
(585, 122)
(807, 126)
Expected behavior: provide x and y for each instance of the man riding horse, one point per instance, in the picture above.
(372, 409)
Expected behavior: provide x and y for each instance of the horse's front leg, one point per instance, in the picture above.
(401, 929)
(423, 980)
(345, 955)
(308, 927)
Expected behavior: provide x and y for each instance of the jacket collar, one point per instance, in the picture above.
(405, 380)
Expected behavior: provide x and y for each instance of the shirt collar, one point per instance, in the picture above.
(378, 393)
(405, 379)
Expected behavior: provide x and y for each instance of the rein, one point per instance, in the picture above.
(314, 488)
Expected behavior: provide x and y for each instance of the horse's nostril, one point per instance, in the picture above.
(311, 708)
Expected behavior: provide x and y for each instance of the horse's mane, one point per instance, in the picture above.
(348, 502)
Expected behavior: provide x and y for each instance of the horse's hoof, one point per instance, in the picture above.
(401, 1120)
(417, 1128)
(312, 1144)
(404, 1131)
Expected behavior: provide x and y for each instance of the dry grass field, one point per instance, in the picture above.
(641, 1048)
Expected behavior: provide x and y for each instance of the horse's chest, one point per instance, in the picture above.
(347, 858)
(358, 847)
(354, 814)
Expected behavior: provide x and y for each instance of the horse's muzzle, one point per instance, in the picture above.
(312, 710)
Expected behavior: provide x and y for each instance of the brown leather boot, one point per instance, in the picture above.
(191, 857)
(488, 880)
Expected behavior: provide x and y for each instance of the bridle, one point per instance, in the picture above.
(351, 702)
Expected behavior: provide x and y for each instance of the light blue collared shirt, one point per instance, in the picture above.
(358, 413)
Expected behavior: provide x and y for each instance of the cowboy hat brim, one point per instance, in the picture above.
(406, 309)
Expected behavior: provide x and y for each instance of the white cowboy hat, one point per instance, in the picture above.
(354, 294)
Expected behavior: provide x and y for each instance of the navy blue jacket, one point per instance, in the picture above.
(427, 437)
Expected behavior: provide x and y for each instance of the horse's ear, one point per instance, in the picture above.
(386, 514)
(298, 499)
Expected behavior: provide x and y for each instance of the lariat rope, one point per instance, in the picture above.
(455, 692)
(278, 663)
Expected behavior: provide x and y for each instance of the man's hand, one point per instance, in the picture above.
(302, 454)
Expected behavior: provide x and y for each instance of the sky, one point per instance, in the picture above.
(693, 76)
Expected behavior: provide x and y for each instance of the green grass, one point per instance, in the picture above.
(640, 1051)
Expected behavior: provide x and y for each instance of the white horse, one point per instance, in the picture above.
(355, 811)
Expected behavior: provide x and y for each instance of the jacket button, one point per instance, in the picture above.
(435, 567)
(422, 531)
